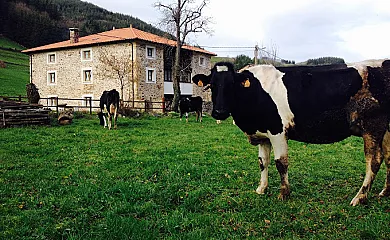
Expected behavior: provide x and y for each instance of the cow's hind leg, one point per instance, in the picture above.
(374, 157)
(264, 160)
(280, 146)
(386, 152)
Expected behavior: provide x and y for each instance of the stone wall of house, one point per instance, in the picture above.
(150, 90)
(69, 71)
(197, 68)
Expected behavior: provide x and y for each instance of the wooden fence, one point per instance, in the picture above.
(90, 105)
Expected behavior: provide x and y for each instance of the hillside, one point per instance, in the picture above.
(14, 69)
(38, 22)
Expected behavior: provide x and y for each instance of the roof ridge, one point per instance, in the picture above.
(120, 34)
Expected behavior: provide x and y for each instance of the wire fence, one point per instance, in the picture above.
(90, 105)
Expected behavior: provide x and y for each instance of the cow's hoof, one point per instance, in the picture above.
(261, 189)
(284, 192)
(385, 193)
(283, 197)
(359, 199)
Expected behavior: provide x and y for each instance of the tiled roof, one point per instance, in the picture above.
(114, 35)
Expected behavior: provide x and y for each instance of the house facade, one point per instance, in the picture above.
(136, 63)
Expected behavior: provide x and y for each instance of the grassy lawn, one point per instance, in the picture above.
(7, 43)
(157, 177)
(15, 76)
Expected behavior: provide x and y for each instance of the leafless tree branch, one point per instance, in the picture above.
(181, 18)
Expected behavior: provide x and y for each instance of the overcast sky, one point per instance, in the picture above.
(355, 30)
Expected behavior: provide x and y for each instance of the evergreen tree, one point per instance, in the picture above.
(241, 61)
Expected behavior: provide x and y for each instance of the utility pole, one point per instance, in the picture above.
(256, 53)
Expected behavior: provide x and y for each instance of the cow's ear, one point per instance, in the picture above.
(201, 80)
(244, 79)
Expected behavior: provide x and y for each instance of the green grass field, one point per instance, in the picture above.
(158, 177)
(15, 75)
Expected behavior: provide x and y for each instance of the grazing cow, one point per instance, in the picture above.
(191, 104)
(109, 104)
(308, 104)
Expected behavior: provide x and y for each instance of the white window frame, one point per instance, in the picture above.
(82, 54)
(153, 76)
(84, 102)
(55, 78)
(82, 76)
(153, 53)
(52, 99)
(48, 58)
(204, 61)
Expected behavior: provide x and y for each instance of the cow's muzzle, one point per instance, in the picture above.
(220, 114)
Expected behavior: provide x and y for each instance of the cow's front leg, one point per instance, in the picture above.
(187, 117)
(264, 160)
(280, 146)
(374, 157)
(109, 121)
(105, 120)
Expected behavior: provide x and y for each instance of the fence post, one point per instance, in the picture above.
(145, 104)
(163, 105)
(90, 105)
(57, 105)
(20, 98)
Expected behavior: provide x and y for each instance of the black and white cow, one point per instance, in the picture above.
(109, 104)
(309, 104)
(191, 104)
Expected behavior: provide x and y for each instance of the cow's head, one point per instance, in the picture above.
(223, 82)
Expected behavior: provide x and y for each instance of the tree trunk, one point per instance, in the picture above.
(176, 76)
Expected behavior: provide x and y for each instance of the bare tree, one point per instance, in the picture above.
(120, 66)
(270, 55)
(181, 18)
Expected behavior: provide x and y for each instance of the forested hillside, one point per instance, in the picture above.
(38, 22)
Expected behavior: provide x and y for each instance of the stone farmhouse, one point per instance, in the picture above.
(136, 63)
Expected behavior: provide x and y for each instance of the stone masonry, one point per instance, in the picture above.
(69, 67)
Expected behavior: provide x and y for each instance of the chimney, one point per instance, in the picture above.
(74, 35)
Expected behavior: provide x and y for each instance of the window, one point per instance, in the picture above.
(185, 77)
(150, 52)
(51, 58)
(51, 78)
(87, 75)
(150, 75)
(168, 75)
(86, 54)
(202, 61)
